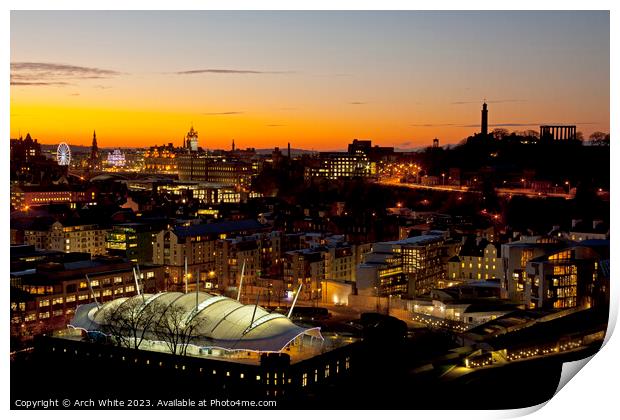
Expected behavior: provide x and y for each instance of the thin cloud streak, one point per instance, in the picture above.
(49, 74)
(499, 101)
(224, 113)
(527, 124)
(358, 103)
(229, 71)
(503, 125)
(433, 125)
(510, 124)
(20, 83)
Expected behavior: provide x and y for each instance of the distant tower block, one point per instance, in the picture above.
(288, 151)
(558, 132)
(233, 145)
(435, 143)
(191, 140)
(484, 126)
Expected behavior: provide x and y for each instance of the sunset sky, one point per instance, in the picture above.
(316, 79)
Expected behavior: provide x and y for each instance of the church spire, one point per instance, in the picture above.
(94, 162)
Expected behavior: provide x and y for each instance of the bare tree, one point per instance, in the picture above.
(500, 133)
(598, 138)
(176, 328)
(115, 329)
(129, 324)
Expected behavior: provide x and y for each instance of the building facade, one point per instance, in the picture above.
(218, 170)
(328, 260)
(90, 238)
(515, 257)
(133, 241)
(408, 267)
(87, 238)
(340, 166)
(24, 197)
(44, 299)
(202, 247)
(567, 278)
(162, 159)
(480, 260)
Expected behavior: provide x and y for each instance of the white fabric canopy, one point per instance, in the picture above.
(220, 322)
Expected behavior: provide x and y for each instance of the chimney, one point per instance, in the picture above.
(289, 151)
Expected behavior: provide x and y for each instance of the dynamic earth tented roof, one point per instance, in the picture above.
(221, 322)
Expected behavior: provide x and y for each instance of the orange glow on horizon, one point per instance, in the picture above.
(131, 127)
(127, 127)
(314, 79)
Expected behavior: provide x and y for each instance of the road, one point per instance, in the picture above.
(509, 192)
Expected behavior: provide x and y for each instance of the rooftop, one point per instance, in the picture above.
(218, 228)
(218, 321)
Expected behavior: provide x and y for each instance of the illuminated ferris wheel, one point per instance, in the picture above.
(63, 154)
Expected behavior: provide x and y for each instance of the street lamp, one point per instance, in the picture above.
(567, 183)
(443, 176)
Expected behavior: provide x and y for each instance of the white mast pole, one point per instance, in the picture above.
(135, 279)
(92, 292)
(290, 312)
(140, 281)
(197, 289)
(185, 274)
(255, 307)
(138, 288)
(241, 282)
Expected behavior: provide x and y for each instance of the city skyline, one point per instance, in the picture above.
(307, 209)
(314, 79)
